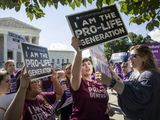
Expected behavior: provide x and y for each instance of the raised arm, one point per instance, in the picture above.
(15, 109)
(76, 67)
(57, 88)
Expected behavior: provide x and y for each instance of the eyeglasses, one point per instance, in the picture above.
(131, 56)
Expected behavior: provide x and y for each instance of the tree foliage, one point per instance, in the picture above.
(141, 11)
(120, 45)
(123, 44)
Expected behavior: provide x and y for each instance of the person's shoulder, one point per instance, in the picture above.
(6, 100)
(7, 97)
(150, 73)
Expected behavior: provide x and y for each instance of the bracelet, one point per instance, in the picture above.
(113, 83)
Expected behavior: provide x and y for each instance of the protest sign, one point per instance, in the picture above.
(120, 57)
(97, 26)
(67, 102)
(36, 61)
(155, 48)
(14, 41)
(100, 62)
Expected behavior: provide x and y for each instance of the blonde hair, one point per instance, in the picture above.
(7, 62)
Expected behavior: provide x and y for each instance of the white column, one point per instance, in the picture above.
(15, 56)
(30, 39)
(37, 40)
(5, 48)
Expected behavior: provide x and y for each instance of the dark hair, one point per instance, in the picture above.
(86, 59)
(68, 66)
(3, 73)
(144, 51)
(124, 64)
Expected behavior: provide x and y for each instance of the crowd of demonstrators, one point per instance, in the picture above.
(139, 96)
(137, 90)
(11, 69)
(32, 102)
(89, 96)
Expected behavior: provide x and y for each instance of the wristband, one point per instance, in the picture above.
(113, 83)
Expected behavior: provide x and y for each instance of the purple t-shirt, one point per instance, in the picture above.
(90, 101)
(47, 84)
(42, 108)
(13, 82)
(67, 92)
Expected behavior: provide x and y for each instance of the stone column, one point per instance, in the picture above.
(30, 39)
(15, 56)
(37, 40)
(5, 50)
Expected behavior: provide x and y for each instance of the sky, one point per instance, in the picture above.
(55, 32)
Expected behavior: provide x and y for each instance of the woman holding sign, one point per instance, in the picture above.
(139, 97)
(32, 103)
(90, 97)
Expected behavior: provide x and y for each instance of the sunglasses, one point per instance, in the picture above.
(131, 56)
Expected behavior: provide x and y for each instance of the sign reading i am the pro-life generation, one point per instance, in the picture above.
(36, 60)
(97, 26)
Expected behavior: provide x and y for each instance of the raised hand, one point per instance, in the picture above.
(24, 79)
(75, 43)
(115, 76)
(54, 75)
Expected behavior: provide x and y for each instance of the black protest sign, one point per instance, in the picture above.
(97, 26)
(36, 61)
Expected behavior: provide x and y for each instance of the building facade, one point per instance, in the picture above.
(60, 58)
(9, 24)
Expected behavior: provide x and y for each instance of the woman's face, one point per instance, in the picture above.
(136, 61)
(68, 72)
(87, 68)
(35, 87)
(11, 68)
(5, 84)
(125, 69)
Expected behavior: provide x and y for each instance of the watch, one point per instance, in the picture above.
(113, 83)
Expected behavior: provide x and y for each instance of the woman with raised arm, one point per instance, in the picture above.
(90, 97)
(30, 103)
(139, 96)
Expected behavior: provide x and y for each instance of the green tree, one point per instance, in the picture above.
(123, 44)
(139, 39)
(140, 11)
(119, 45)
